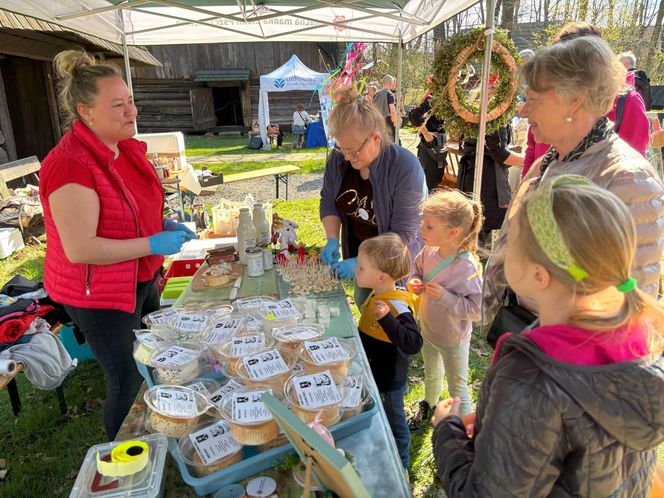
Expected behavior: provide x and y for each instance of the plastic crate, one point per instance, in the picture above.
(82, 352)
(184, 267)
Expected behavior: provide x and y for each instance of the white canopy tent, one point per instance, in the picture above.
(164, 22)
(293, 75)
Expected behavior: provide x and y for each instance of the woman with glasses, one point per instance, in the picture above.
(371, 186)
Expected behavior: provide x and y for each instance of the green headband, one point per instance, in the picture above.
(545, 228)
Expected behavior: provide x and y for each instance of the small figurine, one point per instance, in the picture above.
(287, 236)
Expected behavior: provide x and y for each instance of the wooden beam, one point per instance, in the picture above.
(17, 169)
(52, 101)
(6, 122)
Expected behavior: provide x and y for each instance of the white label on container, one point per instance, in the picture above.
(161, 317)
(223, 391)
(174, 356)
(247, 407)
(199, 387)
(249, 243)
(151, 341)
(191, 323)
(175, 401)
(353, 392)
(247, 344)
(224, 330)
(250, 302)
(299, 334)
(214, 442)
(316, 390)
(326, 351)
(265, 364)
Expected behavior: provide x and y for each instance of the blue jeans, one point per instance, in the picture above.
(396, 416)
(111, 338)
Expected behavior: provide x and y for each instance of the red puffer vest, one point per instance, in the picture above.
(85, 285)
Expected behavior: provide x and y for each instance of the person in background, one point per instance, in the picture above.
(372, 90)
(430, 150)
(570, 86)
(300, 121)
(385, 101)
(448, 279)
(370, 186)
(628, 112)
(637, 78)
(572, 407)
(106, 235)
(387, 326)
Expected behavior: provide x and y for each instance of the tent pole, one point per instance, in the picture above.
(125, 52)
(486, 69)
(399, 87)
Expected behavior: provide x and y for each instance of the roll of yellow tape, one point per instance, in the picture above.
(127, 458)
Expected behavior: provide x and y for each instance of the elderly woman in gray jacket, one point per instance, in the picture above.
(570, 87)
(371, 186)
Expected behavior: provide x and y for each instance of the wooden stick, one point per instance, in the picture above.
(307, 477)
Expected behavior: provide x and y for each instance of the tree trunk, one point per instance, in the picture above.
(655, 43)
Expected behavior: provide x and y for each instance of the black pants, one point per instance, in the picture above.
(110, 336)
(432, 173)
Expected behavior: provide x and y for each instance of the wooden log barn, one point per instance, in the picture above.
(215, 86)
(30, 124)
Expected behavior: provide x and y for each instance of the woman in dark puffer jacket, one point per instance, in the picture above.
(575, 406)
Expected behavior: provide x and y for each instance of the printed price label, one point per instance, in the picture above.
(161, 317)
(174, 356)
(199, 387)
(301, 333)
(222, 392)
(353, 386)
(316, 390)
(214, 442)
(247, 407)
(281, 309)
(191, 323)
(326, 351)
(250, 302)
(176, 402)
(224, 330)
(265, 364)
(151, 341)
(247, 344)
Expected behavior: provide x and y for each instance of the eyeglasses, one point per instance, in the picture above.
(355, 154)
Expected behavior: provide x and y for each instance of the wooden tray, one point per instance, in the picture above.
(198, 282)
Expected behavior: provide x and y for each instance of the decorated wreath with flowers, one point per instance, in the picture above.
(456, 87)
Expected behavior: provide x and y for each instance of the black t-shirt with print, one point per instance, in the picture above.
(355, 200)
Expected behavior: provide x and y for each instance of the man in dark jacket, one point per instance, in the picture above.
(546, 427)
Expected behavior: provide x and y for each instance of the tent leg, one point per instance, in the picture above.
(486, 69)
(125, 51)
(399, 87)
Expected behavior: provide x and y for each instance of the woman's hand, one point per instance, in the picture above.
(382, 309)
(170, 225)
(415, 286)
(434, 291)
(345, 269)
(330, 253)
(428, 136)
(445, 409)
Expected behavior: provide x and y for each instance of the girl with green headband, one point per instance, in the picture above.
(575, 405)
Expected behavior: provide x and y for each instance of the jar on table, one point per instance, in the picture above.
(268, 258)
(254, 262)
(246, 234)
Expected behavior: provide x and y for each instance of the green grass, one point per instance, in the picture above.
(29, 262)
(197, 145)
(306, 166)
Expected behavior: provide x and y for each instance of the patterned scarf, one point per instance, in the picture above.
(601, 131)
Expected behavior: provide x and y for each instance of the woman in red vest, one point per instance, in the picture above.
(106, 235)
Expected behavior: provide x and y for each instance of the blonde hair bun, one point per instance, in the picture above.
(346, 96)
(67, 63)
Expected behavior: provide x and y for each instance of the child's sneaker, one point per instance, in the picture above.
(421, 417)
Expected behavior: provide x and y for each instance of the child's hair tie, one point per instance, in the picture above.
(627, 286)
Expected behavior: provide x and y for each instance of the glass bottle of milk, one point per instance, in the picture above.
(246, 234)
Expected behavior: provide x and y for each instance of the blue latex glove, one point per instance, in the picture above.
(173, 226)
(345, 269)
(166, 243)
(330, 253)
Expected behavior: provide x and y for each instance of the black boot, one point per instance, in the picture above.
(421, 418)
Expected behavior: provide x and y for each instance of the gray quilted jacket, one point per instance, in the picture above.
(550, 429)
(614, 165)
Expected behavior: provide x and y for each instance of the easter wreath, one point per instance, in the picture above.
(461, 114)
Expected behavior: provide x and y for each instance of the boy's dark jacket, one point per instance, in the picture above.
(583, 431)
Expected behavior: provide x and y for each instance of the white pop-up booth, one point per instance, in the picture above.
(293, 75)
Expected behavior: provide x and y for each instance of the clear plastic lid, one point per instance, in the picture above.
(254, 303)
(314, 392)
(298, 334)
(327, 352)
(177, 401)
(147, 483)
(204, 385)
(208, 443)
(243, 407)
(266, 365)
(280, 311)
(243, 344)
(222, 329)
(160, 317)
(147, 344)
